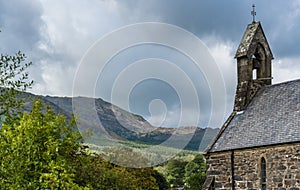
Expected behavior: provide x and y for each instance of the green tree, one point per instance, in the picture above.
(195, 181)
(94, 171)
(161, 181)
(195, 173)
(38, 151)
(175, 170)
(13, 81)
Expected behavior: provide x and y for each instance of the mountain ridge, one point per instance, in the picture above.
(122, 125)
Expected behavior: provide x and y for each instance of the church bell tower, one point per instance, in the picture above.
(254, 67)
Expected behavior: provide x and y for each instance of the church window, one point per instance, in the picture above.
(263, 174)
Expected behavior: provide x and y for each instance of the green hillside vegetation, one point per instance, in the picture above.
(123, 151)
(122, 125)
(42, 151)
(186, 171)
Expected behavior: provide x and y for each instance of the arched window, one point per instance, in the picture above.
(263, 174)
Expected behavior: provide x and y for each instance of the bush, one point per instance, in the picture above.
(38, 151)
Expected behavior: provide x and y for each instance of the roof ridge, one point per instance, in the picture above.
(282, 83)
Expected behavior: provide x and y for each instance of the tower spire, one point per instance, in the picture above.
(254, 65)
(253, 12)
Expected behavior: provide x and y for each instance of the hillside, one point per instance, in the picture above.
(122, 125)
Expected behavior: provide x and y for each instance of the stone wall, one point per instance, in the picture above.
(282, 164)
(219, 166)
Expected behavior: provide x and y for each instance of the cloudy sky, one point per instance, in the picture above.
(56, 35)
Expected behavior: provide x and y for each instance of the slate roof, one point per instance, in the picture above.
(273, 117)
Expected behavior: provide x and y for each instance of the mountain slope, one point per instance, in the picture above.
(103, 117)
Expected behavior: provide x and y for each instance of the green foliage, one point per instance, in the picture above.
(195, 166)
(38, 152)
(195, 173)
(127, 157)
(161, 180)
(175, 172)
(13, 81)
(195, 181)
(97, 173)
(43, 151)
(186, 169)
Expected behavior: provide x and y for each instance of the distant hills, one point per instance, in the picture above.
(102, 117)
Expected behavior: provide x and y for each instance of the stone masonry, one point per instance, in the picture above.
(282, 166)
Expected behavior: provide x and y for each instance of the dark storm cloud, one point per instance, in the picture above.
(21, 25)
(228, 19)
(20, 22)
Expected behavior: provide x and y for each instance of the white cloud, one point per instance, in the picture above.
(285, 69)
(174, 118)
(70, 28)
(223, 53)
(56, 79)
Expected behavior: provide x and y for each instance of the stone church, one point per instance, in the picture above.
(258, 147)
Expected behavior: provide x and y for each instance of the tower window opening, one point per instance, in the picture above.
(254, 74)
(255, 66)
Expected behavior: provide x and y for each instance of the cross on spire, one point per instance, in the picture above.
(253, 12)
